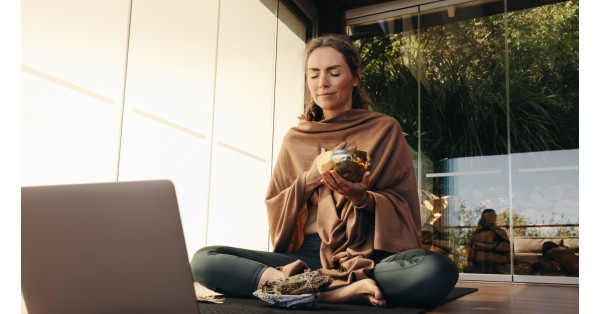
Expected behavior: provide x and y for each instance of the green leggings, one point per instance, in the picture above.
(414, 277)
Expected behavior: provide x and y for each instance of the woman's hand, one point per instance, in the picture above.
(315, 175)
(355, 192)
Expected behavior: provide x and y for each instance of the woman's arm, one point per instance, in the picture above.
(285, 201)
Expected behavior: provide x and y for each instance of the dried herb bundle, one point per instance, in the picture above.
(307, 282)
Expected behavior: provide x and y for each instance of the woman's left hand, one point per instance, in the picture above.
(355, 192)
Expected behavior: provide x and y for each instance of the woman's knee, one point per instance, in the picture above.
(443, 274)
(203, 263)
(416, 276)
(225, 270)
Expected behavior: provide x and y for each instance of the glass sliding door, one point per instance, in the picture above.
(493, 127)
(543, 56)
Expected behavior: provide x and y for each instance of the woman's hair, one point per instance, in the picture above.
(341, 43)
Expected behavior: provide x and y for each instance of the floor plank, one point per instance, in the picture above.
(494, 297)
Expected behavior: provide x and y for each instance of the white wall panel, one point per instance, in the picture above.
(155, 150)
(73, 64)
(243, 123)
(168, 103)
(245, 66)
(238, 216)
(80, 41)
(172, 60)
(66, 136)
(289, 84)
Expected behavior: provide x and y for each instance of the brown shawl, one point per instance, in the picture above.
(349, 236)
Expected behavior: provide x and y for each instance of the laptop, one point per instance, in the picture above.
(104, 248)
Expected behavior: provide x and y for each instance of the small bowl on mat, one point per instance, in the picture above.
(350, 163)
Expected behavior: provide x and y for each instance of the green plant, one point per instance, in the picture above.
(454, 77)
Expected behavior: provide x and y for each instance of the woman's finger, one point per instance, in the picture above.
(339, 182)
(337, 177)
(326, 177)
(349, 188)
(340, 145)
(329, 185)
(366, 178)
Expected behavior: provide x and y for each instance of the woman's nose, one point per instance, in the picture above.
(323, 81)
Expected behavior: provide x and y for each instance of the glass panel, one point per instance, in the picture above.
(464, 138)
(544, 106)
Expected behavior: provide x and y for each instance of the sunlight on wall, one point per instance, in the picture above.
(168, 102)
(289, 89)
(73, 57)
(197, 92)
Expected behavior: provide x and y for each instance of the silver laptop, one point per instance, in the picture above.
(104, 248)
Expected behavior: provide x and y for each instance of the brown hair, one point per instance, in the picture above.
(341, 43)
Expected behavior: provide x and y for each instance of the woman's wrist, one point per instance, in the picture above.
(362, 204)
(368, 205)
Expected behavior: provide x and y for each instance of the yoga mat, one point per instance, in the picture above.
(254, 305)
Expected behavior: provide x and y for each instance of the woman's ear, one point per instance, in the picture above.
(358, 77)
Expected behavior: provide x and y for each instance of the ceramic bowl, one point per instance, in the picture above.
(351, 164)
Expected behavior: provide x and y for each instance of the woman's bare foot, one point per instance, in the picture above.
(269, 274)
(365, 290)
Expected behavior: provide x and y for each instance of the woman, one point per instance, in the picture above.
(365, 235)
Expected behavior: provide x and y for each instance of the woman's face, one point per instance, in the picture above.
(330, 81)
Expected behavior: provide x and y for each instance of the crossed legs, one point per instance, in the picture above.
(411, 277)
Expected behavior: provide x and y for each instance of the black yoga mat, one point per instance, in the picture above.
(253, 305)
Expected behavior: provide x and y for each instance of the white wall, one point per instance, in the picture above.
(197, 92)
(73, 65)
(168, 102)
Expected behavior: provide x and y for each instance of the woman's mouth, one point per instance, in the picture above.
(326, 94)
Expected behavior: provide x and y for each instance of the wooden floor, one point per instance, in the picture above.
(494, 297)
(506, 298)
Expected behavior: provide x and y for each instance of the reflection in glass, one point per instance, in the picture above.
(489, 247)
(546, 202)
